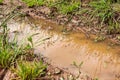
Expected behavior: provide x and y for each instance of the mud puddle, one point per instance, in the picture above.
(100, 60)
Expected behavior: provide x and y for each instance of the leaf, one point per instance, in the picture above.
(75, 64)
(81, 64)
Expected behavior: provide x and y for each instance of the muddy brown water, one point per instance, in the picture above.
(100, 60)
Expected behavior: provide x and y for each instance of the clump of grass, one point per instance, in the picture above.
(8, 51)
(1, 1)
(69, 7)
(99, 38)
(113, 1)
(29, 70)
(11, 52)
(65, 7)
(6, 57)
(104, 11)
(32, 3)
(78, 66)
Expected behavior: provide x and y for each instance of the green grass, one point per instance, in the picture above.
(9, 51)
(29, 70)
(32, 3)
(5, 58)
(104, 11)
(13, 55)
(1, 1)
(113, 1)
(69, 7)
(65, 7)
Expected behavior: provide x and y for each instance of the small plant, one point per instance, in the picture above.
(78, 66)
(113, 1)
(69, 7)
(32, 3)
(5, 58)
(29, 70)
(8, 51)
(104, 11)
(65, 7)
(1, 1)
(96, 79)
(99, 38)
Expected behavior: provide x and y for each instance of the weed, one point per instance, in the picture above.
(29, 70)
(99, 38)
(9, 50)
(96, 79)
(113, 1)
(8, 53)
(69, 7)
(64, 7)
(104, 11)
(32, 3)
(5, 58)
(31, 42)
(78, 66)
(116, 7)
(1, 1)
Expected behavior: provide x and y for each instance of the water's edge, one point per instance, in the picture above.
(63, 48)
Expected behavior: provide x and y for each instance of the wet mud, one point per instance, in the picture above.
(100, 59)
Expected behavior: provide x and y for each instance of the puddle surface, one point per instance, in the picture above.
(99, 59)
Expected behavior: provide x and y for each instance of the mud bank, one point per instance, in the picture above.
(100, 60)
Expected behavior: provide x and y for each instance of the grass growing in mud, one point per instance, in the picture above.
(106, 12)
(32, 3)
(29, 70)
(20, 59)
(1, 1)
(11, 55)
(65, 7)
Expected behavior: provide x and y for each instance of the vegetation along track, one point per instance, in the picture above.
(95, 17)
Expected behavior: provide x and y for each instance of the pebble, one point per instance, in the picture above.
(57, 71)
